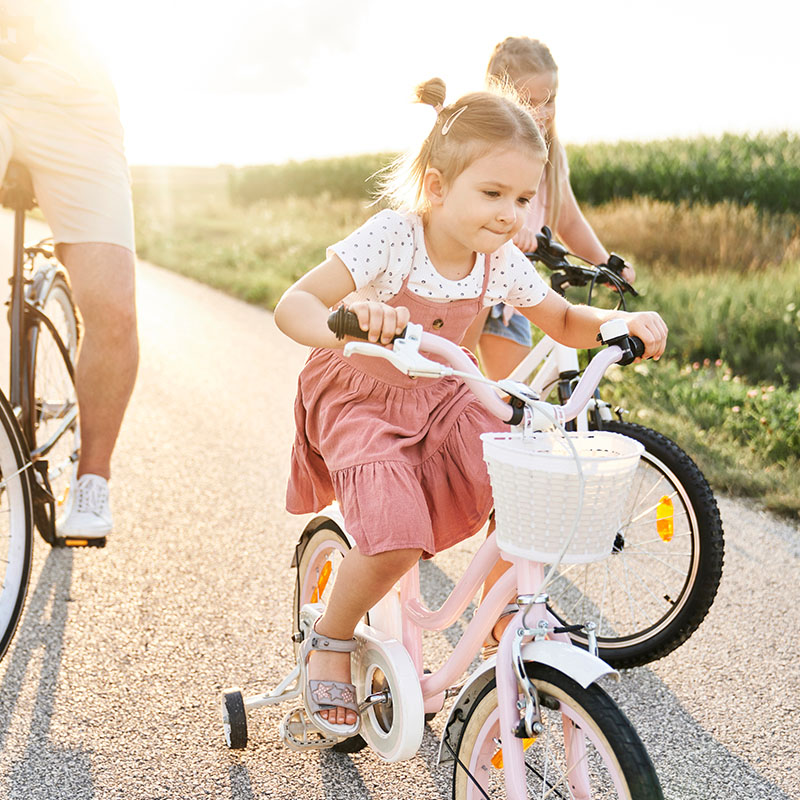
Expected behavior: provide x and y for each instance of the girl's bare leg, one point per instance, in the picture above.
(499, 356)
(498, 570)
(361, 582)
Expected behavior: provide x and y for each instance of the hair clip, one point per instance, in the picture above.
(449, 123)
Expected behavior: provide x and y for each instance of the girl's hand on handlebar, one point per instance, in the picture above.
(381, 322)
(651, 329)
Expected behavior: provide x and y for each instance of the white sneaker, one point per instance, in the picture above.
(89, 512)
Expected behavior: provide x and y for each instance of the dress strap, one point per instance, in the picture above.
(487, 262)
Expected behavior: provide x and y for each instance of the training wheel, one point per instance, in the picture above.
(234, 718)
(394, 729)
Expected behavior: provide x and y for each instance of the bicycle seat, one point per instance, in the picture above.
(17, 189)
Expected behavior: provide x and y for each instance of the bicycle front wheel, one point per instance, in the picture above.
(16, 525)
(659, 582)
(54, 427)
(587, 746)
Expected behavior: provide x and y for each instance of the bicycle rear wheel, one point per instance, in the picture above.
(587, 746)
(653, 591)
(317, 561)
(54, 426)
(16, 525)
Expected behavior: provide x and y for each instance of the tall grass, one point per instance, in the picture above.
(720, 238)
(255, 252)
(760, 171)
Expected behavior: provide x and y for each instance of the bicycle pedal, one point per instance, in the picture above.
(78, 541)
(299, 733)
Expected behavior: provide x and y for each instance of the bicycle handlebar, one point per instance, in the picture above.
(405, 356)
(345, 323)
(554, 256)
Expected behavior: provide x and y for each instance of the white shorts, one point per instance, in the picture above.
(71, 140)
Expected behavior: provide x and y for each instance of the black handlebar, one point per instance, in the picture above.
(554, 256)
(345, 323)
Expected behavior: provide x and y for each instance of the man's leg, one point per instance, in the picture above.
(103, 284)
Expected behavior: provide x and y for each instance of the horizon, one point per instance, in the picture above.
(225, 166)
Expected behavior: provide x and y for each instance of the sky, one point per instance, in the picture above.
(264, 81)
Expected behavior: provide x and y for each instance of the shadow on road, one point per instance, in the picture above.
(36, 657)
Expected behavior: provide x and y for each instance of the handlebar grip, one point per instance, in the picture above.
(345, 323)
(616, 263)
(637, 346)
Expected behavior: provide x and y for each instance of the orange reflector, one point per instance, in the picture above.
(664, 518)
(497, 758)
(322, 582)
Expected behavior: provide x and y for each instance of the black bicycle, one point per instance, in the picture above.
(39, 429)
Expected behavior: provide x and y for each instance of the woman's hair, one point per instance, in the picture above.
(463, 132)
(516, 59)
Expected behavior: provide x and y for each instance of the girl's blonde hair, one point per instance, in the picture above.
(463, 131)
(515, 59)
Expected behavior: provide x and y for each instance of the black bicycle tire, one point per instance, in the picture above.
(710, 544)
(10, 430)
(41, 520)
(611, 722)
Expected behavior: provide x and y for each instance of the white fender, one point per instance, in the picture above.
(386, 614)
(576, 663)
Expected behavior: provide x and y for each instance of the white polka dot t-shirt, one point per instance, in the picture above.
(390, 245)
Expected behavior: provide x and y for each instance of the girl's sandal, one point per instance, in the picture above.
(328, 695)
(491, 642)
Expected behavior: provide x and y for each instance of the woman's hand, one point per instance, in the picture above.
(651, 329)
(382, 322)
(629, 274)
(525, 240)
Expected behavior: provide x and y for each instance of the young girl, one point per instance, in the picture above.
(403, 456)
(501, 335)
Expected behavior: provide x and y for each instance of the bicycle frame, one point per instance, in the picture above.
(401, 616)
(25, 314)
(559, 367)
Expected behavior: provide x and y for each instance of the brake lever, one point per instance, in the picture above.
(404, 355)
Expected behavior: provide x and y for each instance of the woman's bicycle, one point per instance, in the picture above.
(666, 564)
(39, 430)
(531, 721)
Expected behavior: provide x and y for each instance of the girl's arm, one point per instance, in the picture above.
(576, 233)
(302, 312)
(579, 236)
(578, 326)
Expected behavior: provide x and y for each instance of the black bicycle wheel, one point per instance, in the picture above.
(585, 739)
(16, 525)
(54, 428)
(654, 590)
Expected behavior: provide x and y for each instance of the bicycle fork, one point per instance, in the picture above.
(517, 695)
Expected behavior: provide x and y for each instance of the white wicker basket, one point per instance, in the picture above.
(536, 492)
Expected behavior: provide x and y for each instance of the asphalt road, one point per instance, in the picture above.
(111, 687)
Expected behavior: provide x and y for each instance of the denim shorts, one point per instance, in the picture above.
(518, 329)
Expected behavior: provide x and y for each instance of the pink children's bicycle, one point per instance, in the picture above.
(531, 721)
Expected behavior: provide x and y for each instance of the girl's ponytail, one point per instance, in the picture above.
(432, 93)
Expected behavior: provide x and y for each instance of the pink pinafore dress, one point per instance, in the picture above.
(402, 456)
